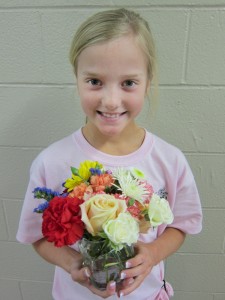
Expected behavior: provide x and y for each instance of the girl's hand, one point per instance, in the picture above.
(82, 274)
(149, 255)
(139, 267)
(71, 261)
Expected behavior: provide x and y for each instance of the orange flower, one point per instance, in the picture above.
(79, 191)
(100, 182)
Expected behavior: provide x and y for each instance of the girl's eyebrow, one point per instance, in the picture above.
(125, 76)
(132, 75)
(90, 74)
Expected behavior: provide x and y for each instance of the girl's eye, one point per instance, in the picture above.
(128, 83)
(94, 81)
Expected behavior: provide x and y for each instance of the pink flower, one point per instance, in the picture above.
(79, 191)
(100, 182)
(150, 191)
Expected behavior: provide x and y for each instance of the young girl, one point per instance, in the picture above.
(114, 62)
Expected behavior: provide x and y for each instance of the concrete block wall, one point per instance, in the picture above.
(38, 105)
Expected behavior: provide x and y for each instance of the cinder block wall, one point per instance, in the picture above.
(38, 105)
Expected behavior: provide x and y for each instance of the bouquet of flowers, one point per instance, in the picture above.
(104, 211)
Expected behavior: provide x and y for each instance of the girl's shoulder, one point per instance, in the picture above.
(168, 156)
(58, 151)
(165, 149)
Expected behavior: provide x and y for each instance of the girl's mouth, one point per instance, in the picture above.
(110, 115)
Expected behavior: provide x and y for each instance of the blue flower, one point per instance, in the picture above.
(95, 171)
(44, 193)
(41, 207)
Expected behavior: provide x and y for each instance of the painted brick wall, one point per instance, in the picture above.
(38, 105)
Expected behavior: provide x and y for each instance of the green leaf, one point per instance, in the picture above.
(102, 235)
(131, 202)
(147, 217)
(110, 264)
(74, 171)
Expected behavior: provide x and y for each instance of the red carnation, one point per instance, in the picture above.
(62, 221)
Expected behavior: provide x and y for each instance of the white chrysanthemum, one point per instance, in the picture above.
(130, 186)
(119, 173)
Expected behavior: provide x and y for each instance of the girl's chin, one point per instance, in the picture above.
(116, 130)
(110, 128)
(110, 132)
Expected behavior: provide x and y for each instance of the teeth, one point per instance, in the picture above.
(111, 115)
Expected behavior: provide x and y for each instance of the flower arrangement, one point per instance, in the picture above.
(108, 207)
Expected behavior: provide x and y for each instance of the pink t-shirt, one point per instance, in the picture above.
(165, 168)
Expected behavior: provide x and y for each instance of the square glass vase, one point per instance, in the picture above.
(104, 265)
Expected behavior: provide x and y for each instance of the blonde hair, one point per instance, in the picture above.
(106, 25)
(111, 24)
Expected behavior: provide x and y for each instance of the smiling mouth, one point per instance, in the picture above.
(110, 115)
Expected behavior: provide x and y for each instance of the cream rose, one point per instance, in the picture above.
(159, 211)
(123, 230)
(99, 209)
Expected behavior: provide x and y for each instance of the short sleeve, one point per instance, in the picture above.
(185, 201)
(30, 223)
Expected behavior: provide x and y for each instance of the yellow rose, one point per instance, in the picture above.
(99, 209)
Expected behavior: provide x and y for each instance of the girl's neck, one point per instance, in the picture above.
(123, 144)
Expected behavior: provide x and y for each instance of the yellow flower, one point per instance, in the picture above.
(72, 182)
(82, 174)
(84, 169)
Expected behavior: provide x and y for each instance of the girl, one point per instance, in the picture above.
(114, 62)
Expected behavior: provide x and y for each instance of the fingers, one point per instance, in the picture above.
(129, 288)
(133, 272)
(82, 276)
(134, 267)
(110, 290)
(137, 269)
(127, 282)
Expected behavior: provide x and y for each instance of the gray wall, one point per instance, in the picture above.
(38, 105)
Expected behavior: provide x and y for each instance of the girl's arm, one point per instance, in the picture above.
(62, 257)
(71, 261)
(149, 255)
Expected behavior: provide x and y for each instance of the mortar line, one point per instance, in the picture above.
(114, 6)
(5, 218)
(186, 48)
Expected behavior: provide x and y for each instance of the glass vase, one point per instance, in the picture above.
(104, 264)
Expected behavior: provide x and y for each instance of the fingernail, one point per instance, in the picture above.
(121, 294)
(122, 275)
(128, 265)
(130, 281)
(87, 273)
(112, 284)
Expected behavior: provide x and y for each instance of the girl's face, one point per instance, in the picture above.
(112, 83)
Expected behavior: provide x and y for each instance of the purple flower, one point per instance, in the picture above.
(95, 171)
(44, 193)
(41, 207)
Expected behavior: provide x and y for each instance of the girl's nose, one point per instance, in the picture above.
(111, 99)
